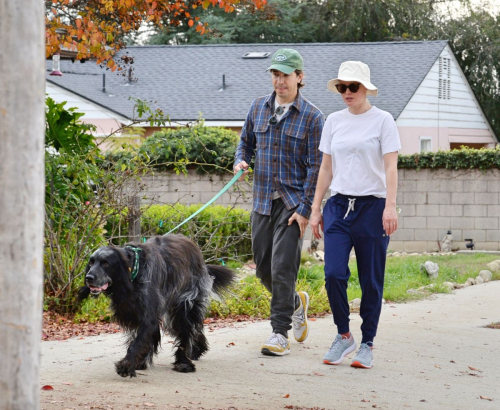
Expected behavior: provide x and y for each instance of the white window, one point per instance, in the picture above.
(425, 144)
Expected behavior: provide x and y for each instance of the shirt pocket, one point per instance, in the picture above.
(295, 141)
(260, 132)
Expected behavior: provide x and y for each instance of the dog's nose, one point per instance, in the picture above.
(89, 277)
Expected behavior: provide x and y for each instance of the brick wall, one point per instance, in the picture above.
(432, 202)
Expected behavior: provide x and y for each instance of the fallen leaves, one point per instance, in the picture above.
(485, 398)
(286, 396)
(474, 369)
(57, 327)
(47, 387)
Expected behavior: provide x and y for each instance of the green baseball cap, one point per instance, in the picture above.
(287, 61)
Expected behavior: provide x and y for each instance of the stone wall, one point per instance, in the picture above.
(432, 202)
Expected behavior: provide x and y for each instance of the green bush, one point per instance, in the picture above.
(221, 232)
(463, 158)
(208, 149)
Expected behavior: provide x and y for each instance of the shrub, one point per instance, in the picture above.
(208, 149)
(221, 232)
(464, 158)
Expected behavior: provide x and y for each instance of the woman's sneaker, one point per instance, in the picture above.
(299, 318)
(364, 357)
(339, 349)
(276, 345)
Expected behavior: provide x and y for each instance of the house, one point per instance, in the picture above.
(420, 83)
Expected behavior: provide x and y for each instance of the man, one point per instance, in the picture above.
(282, 130)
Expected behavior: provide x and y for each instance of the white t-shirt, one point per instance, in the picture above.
(357, 144)
(285, 107)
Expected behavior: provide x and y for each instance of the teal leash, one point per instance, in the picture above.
(228, 185)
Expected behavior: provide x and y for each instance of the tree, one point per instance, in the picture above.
(97, 28)
(281, 21)
(22, 82)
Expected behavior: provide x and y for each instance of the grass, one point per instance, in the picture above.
(250, 298)
(402, 273)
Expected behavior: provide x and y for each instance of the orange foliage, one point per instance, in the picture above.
(94, 28)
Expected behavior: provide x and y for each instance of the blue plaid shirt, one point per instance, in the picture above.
(287, 158)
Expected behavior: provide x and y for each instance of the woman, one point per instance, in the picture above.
(360, 147)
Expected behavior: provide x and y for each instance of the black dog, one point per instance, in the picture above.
(163, 284)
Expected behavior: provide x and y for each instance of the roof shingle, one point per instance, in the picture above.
(186, 80)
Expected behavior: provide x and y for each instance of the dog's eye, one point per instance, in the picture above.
(105, 264)
(91, 263)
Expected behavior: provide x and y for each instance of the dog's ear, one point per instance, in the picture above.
(83, 293)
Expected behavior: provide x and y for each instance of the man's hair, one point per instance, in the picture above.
(301, 84)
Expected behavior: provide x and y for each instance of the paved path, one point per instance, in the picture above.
(422, 358)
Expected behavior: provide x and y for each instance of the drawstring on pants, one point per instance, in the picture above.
(350, 207)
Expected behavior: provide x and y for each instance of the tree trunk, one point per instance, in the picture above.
(22, 91)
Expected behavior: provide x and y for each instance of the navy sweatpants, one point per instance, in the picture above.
(361, 228)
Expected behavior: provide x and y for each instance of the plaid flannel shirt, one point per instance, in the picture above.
(287, 156)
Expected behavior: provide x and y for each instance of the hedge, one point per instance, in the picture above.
(463, 158)
(221, 232)
(211, 149)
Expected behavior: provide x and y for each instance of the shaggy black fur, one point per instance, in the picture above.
(171, 293)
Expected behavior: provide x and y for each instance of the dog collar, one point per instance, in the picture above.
(135, 270)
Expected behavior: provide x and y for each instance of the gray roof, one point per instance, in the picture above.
(186, 80)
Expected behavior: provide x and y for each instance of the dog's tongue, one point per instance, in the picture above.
(93, 289)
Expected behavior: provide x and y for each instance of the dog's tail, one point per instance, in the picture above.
(223, 278)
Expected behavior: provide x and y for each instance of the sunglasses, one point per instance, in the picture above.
(273, 120)
(342, 88)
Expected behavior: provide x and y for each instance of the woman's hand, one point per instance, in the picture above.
(316, 221)
(390, 219)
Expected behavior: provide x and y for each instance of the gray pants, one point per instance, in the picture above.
(276, 250)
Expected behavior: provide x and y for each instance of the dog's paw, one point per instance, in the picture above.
(125, 368)
(142, 366)
(185, 367)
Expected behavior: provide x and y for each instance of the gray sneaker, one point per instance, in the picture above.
(339, 349)
(364, 357)
(299, 318)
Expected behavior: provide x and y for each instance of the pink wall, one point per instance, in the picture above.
(442, 137)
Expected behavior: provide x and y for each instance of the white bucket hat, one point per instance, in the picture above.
(353, 71)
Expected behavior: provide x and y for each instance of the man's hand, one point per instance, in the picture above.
(316, 222)
(239, 166)
(302, 221)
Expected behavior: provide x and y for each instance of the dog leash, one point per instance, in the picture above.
(228, 185)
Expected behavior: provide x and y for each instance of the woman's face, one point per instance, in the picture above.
(354, 99)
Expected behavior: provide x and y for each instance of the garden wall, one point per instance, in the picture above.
(431, 201)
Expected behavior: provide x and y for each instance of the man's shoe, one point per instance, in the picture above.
(276, 345)
(364, 357)
(299, 318)
(339, 349)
